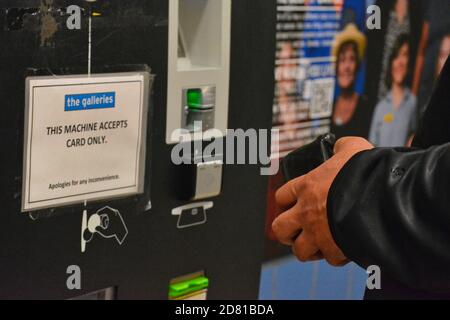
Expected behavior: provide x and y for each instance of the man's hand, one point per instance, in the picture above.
(304, 224)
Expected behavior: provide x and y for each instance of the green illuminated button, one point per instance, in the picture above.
(183, 288)
(194, 99)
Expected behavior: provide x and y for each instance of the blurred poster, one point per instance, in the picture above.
(433, 49)
(351, 109)
(404, 60)
(305, 78)
(391, 61)
(304, 70)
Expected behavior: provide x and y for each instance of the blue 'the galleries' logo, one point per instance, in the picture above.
(90, 101)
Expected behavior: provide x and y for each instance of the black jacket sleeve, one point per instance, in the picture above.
(391, 208)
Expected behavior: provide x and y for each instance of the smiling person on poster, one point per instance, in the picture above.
(394, 120)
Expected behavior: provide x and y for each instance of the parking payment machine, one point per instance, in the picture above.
(97, 96)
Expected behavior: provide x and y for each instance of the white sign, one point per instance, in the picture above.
(85, 138)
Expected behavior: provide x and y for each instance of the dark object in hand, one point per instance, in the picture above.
(307, 158)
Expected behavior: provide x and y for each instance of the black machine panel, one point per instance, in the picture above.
(37, 248)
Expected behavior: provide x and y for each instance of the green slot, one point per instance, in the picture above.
(187, 287)
(194, 99)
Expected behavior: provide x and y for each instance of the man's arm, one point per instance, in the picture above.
(391, 208)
